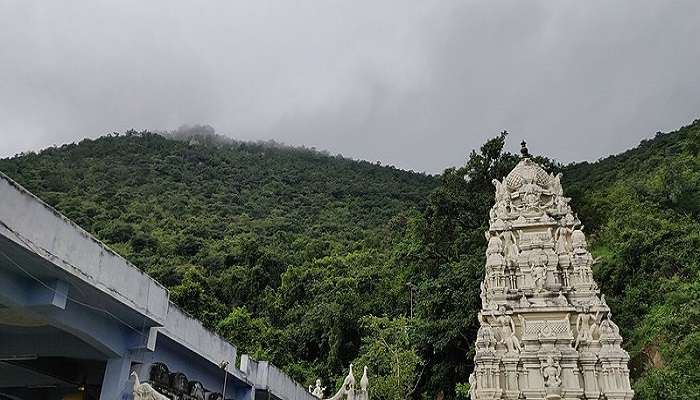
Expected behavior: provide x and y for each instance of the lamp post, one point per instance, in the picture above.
(223, 366)
(411, 288)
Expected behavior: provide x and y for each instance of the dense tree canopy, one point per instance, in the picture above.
(315, 261)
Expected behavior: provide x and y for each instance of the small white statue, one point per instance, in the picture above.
(539, 274)
(511, 247)
(563, 245)
(364, 381)
(348, 391)
(555, 185)
(551, 372)
(485, 334)
(586, 326)
(524, 302)
(561, 300)
(578, 241)
(472, 386)
(507, 331)
(501, 191)
(350, 379)
(144, 391)
(318, 390)
(608, 329)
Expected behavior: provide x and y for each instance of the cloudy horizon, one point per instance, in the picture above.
(416, 84)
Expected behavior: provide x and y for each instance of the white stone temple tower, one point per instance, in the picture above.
(545, 333)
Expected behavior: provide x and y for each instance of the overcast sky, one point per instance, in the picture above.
(417, 84)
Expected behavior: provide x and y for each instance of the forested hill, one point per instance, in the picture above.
(154, 198)
(315, 261)
(643, 208)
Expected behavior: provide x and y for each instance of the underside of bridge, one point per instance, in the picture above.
(42, 354)
(50, 378)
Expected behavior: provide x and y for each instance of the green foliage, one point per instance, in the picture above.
(251, 335)
(314, 261)
(390, 355)
(192, 294)
(282, 250)
(643, 207)
(462, 390)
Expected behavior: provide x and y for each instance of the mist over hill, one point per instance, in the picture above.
(314, 261)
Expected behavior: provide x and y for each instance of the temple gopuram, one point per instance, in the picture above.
(545, 331)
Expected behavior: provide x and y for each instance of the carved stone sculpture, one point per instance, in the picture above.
(541, 336)
(486, 336)
(318, 390)
(510, 248)
(563, 235)
(144, 391)
(551, 372)
(196, 390)
(364, 381)
(507, 332)
(524, 302)
(539, 275)
(586, 326)
(561, 300)
(348, 390)
(472, 386)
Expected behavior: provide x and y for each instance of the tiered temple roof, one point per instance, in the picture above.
(546, 331)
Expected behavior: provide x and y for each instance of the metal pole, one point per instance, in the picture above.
(223, 396)
(411, 286)
(223, 366)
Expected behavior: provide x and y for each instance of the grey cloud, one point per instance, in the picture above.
(417, 84)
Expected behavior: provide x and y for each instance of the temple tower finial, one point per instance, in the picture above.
(523, 149)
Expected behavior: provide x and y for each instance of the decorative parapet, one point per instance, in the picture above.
(163, 384)
(265, 376)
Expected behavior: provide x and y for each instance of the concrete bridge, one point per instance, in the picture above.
(76, 320)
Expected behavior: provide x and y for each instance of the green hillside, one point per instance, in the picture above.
(278, 248)
(315, 261)
(644, 208)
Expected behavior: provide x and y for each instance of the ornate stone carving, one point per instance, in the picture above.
(178, 382)
(560, 300)
(511, 248)
(586, 326)
(539, 275)
(196, 390)
(159, 374)
(563, 239)
(472, 386)
(144, 391)
(348, 390)
(171, 385)
(541, 335)
(318, 390)
(507, 332)
(524, 302)
(551, 372)
(485, 337)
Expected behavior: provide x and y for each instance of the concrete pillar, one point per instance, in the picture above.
(241, 393)
(116, 384)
